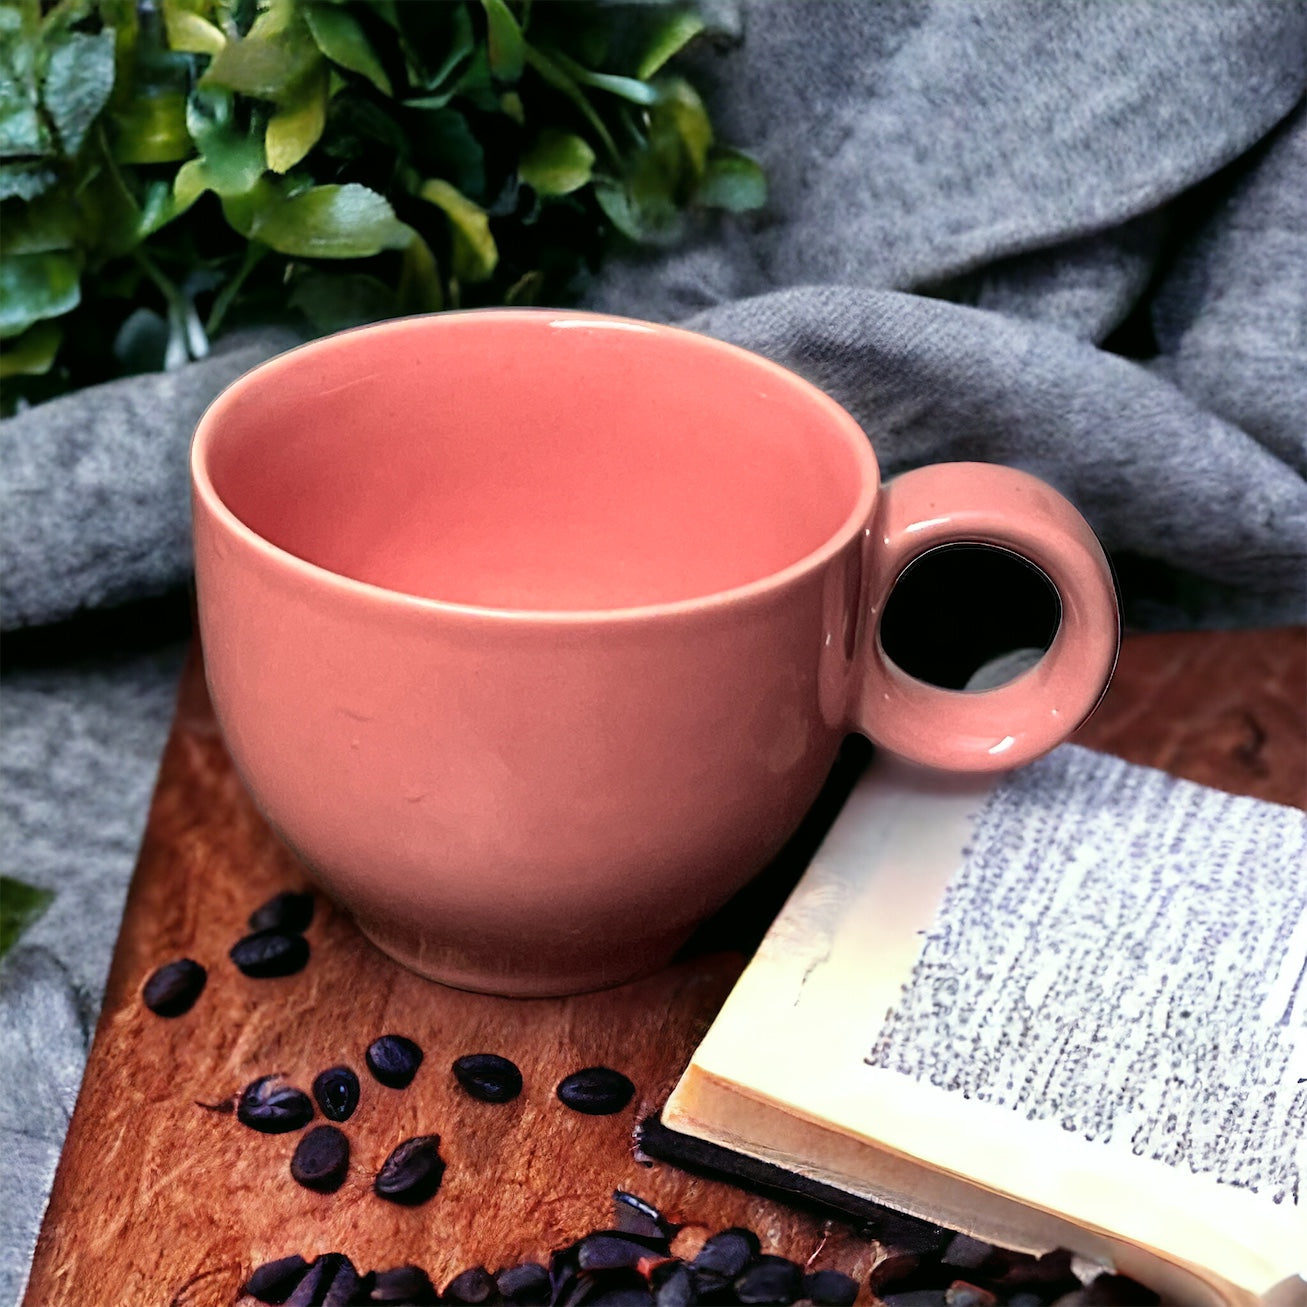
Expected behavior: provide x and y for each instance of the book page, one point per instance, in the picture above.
(988, 977)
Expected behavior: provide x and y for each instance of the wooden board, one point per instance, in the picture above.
(159, 1201)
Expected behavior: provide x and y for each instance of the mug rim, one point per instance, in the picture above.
(841, 421)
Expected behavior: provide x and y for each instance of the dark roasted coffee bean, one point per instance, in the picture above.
(413, 1171)
(1049, 1275)
(770, 1280)
(632, 1215)
(273, 1108)
(676, 1287)
(1108, 1290)
(630, 1295)
(830, 1288)
(270, 953)
(287, 912)
(563, 1270)
(967, 1253)
(345, 1281)
(728, 1252)
(402, 1284)
(527, 1284)
(336, 1091)
(710, 1287)
(331, 1282)
(603, 1251)
(321, 1159)
(174, 987)
(917, 1298)
(962, 1294)
(488, 1077)
(475, 1285)
(394, 1060)
(596, 1091)
(273, 1282)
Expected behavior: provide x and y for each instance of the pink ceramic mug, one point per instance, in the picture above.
(535, 633)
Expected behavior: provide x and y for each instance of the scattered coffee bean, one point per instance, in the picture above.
(830, 1288)
(728, 1252)
(412, 1173)
(321, 1159)
(1050, 1275)
(916, 1298)
(336, 1091)
(596, 1091)
(394, 1060)
(675, 1288)
(962, 1294)
(604, 1251)
(407, 1285)
(632, 1215)
(627, 1295)
(287, 912)
(331, 1281)
(967, 1253)
(174, 987)
(527, 1284)
(274, 1282)
(475, 1285)
(270, 953)
(488, 1077)
(770, 1280)
(273, 1108)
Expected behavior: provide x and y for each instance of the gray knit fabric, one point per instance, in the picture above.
(977, 208)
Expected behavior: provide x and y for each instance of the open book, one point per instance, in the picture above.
(1063, 1008)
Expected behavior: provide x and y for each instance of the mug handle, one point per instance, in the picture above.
(987, 730)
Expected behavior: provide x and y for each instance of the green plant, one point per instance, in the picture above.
(168, 166)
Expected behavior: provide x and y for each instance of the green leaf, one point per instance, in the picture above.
(323, 222)
(78, 80)
(560, 80)
(444, 144)
(558, 163)
(626, 87)
(679, 124)
(31, 354)
(48, 222)
(420, 290)
(339, 36)
(429, 30)
(267, 67)
(25, 180)
(474, 252)
(36, 286)
(21, 130)
(190, 32)
(675, 30)
(504, 36)
(151, 128)
(333, 301)
(231, 159)
(733, 181)
(297, 125)
(20, 905)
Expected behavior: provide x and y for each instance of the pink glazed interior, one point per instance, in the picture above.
(578, 464)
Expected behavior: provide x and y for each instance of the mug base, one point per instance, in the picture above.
(630, 960)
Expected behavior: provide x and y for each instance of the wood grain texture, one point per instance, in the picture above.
(160, 1201)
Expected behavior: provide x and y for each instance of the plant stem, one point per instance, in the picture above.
(254, 251)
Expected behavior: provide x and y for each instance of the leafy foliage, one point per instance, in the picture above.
(167, 166)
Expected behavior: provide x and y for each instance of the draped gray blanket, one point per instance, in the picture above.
(1066, 236)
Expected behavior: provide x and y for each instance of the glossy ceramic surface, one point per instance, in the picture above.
(535, 633)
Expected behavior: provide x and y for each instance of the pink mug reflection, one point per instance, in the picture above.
(535, 634)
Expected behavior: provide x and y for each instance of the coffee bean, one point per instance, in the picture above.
(917, 1298)
(337, 1092)
(962, 1294)
(527, 1284)
(331, 1281)
(830, 1288)
(967, 1253)
(596, 1091)
(270, 953)
(475, 1285)
(675, 1288)
(273, 1108)
(394, 1060)
(770, 1280)
(603, 1251)
(287, 912)
(344, 1289)
(273, 1282)
(728, 1252)
(563, 1269)
(321, 1159)
(174, 987)
(407, 1285)
(488, 1077)
(632, 1215)
(632, 1295)
(1108, 1290)
(412, 1173)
